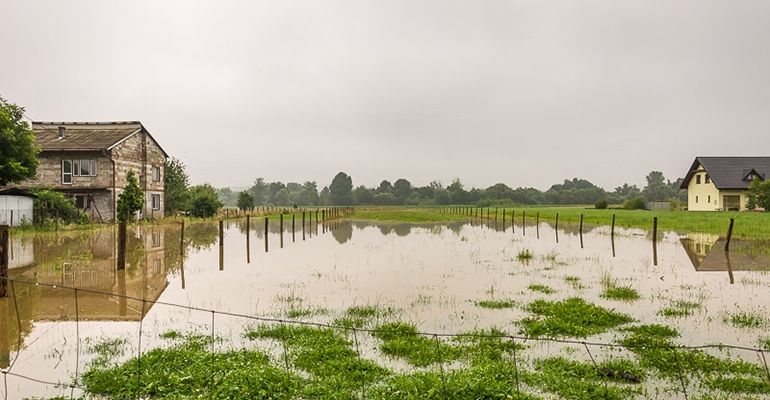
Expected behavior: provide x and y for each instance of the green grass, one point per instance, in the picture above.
(571, 317)
(404, 214)
(764, 343)
(679, 308)
(361, 316)
(402, 340)
(571, 379)
(653, 346)
(541, 288)
(746, 319)
(613, 291)
(496, 304)
(574, 281)
(524, 255)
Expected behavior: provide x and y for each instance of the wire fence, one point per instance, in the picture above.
(687, 382)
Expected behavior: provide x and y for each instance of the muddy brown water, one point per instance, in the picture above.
(67, 294)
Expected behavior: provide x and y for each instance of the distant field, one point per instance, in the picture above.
(747, 224)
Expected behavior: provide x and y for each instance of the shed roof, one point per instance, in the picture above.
(14, 191)
(729, 172)
(86, 136)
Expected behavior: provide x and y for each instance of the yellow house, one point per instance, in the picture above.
(720, 183)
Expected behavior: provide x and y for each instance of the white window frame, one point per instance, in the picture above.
(66, 177)
(155, 201)
(155, 173)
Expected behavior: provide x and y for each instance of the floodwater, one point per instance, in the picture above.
(67, 293)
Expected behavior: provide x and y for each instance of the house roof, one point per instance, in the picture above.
(729, 172)
(86, 136)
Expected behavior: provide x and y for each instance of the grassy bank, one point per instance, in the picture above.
(747, 224)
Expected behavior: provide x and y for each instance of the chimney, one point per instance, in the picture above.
(61, 132)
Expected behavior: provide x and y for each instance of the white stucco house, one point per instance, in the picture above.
(720, 183)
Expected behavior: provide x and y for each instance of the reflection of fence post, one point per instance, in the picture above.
(556, 227)
(523, 223)
(122, 245)
(655, 241)
(5, 340)
(729, 235)
(293, 237)
(281, 229)
(537, 224)
(221, 245)
(265, 234)
(4, 261)
(581, 231)
(181, 254)
(612, 235)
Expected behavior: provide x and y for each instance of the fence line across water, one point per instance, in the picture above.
(678, 351)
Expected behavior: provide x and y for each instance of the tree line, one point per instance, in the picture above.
(341, 192)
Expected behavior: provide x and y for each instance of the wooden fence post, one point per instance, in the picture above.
(4, 245)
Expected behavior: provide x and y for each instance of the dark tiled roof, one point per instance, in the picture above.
(82, 136)
(730, 172)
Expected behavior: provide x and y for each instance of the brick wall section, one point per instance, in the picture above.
(141, 153)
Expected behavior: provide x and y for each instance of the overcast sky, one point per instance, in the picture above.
(527, 93)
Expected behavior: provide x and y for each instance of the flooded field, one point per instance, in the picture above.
(67, 294)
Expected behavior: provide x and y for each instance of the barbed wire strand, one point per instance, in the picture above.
(284, 331)
(440, 365)
(360, 363)
(139, 354)
(679, 372)
(516, 370)
(18, 324)
(213, 343)
(77, 347)
(596, 367)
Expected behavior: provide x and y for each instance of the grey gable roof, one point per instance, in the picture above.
(86, 136)
(729, 172)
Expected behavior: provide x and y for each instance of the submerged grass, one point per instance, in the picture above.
(679, 309)
(571, 317)
(541, 288)
(613, 291)
(496, 304)
(746, 319)
(656, 351)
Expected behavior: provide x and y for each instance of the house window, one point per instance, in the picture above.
(83, 167)
(66, 172)
(709, 199)
(697, 179)
(81, 202)
(155, 174)
(155, 200)
(708, 179)
(156, 239)
(696, 199)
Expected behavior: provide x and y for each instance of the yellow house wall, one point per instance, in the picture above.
(703, 196)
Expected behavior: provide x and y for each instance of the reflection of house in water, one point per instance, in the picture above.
(43, 287)
(707, 253)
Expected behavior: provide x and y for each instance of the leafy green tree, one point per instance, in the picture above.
(131, 199)
(260, 190)
(245, 201)
(385, 187)
(281, 198)
(273, 189)
(758, 194)
(51, 205)
(402, 188)
(204, 201)
(227, 196)
(363, 196)
(657, 189)
(458, 193)
(384, 199)
(341, 190)
(18, 157)
(177, 185)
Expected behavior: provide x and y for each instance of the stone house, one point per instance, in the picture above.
(88, 161)
(720, 183)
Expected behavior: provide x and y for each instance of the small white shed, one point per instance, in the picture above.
(16, 206)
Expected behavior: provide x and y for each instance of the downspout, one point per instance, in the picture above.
(114, 202)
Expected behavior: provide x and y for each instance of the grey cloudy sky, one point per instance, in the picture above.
(527, 93)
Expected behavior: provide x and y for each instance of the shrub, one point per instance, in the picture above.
(601, 204)
(637, 203)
